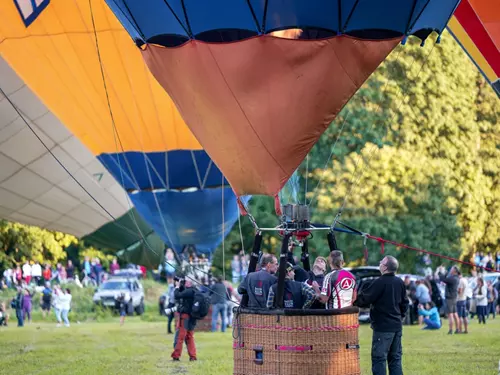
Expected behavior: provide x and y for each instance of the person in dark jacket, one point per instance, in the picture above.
(218, 300)
(297, 295)
(386, 297)
(257, 284)
(184, 297)
(18, 305)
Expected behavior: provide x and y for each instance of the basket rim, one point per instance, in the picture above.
(296, 312)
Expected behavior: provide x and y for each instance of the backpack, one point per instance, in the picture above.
(201, 304)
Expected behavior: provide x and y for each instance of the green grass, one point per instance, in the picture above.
(143, 347)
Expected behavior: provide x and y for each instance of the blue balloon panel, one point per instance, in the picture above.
(189, 218)
(177, 169)
(172, 22)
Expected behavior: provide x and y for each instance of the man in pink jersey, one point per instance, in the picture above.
(339, 286)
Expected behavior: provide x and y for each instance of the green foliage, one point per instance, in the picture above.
(24, 242)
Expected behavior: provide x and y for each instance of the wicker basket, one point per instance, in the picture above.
(296, 342)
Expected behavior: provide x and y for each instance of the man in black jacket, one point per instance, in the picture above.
(386, 297)
(257, 284)
(184, 296)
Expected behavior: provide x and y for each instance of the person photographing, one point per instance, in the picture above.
(184, 294)
(386, 297)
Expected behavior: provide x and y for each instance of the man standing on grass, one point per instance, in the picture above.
(184, 295)
(386, 297)
(451, 294)
(463, 285)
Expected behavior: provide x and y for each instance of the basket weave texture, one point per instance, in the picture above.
(296, 345)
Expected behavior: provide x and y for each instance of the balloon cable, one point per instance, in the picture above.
(223, 233)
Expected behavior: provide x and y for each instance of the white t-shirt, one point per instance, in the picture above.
(36, 270)
(26, 270)
(462, 284)
(65, 301)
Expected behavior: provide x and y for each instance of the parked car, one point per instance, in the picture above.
(491, 276)
(363, 275)
(108, 291)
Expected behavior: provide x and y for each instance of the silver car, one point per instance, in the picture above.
(111, 289)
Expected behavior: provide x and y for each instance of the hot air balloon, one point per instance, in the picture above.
(256, 99)
(83, 67)
(35, 190)
(476, 27)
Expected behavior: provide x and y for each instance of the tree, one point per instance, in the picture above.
(20, 243)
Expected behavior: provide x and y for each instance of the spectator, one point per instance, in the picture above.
(70, 270)
(184, 295)
(422, 295)
(47, 274)
(492, 300)
(65, 305)
(8, 275)
(36, 273)
(4, 316)
(451, 294)
(27, 305)
(218, 299)
(481, 300)
(462, 304)
(432, 319)
(58, 303)
(17, 304)
(46, 299)
(388, 301)
(236, 269)
(27, 272)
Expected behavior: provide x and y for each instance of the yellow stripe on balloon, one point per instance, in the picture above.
(56, 56)
(471, 49)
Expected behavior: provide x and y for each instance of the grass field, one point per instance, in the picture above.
(145, 348)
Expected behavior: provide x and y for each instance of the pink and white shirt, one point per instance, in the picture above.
(340, 287)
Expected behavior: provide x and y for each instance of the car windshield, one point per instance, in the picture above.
(491, 278)
(115, 285)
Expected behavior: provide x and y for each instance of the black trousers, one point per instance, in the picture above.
(387, 349)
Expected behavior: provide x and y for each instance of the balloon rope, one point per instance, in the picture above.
(223, 233)
(383, 241)
(307, 178)
(241, 232)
